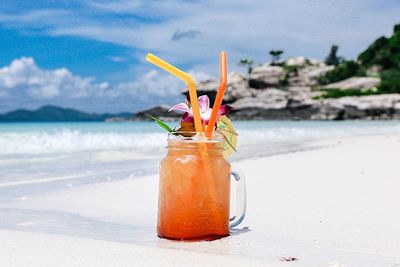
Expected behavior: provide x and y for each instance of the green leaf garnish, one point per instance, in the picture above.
(225, 127)
(228, 142)
(161, 123)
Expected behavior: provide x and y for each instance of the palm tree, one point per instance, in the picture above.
(248, 63)
(276, 55)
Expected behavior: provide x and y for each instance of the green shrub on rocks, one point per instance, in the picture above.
(385, 52)
(343, 71)
(390, 81)
(290, 71)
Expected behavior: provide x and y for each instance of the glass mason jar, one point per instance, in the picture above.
(194, 190)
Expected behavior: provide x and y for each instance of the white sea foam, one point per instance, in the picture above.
(298, 132)
(74, 141)
(82, 139)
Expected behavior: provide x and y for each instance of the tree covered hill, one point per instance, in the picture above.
(385, 53)
(53, 113)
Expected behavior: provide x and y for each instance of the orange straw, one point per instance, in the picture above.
(220, 94)
(189, 82)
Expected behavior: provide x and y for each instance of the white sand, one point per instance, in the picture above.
(335, 206)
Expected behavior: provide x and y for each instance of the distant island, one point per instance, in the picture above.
(58, 114)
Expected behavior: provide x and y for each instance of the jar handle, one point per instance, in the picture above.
(240, 199)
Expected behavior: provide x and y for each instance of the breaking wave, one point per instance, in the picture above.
(76, 139)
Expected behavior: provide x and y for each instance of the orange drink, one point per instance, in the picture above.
(194, 193)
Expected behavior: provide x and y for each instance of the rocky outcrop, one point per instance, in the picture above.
(274, 104)
(307, 75)
(310, 74)
(299, 72)
(238, 88)
(371, 107)
(289, 91)
(266, 76)
(270, 98)
(374, 107)
(302, 94)
(355, 82)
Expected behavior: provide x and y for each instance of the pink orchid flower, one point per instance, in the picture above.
(205, 110)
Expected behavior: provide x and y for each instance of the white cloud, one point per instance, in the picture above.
(24, 81)
(152, 84)
(116, 6)
(24, 76)
(157, 83)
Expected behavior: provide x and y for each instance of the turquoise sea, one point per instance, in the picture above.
(46, 156)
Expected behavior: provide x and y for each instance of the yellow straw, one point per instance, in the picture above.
(189, 82)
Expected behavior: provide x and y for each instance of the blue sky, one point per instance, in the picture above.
(89, 54)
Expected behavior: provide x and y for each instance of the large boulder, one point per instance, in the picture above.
(270, 98)
(370, 107)
(301, 103)
(301, 97)
(308, 74)
(269, 104)
(329, 110)
(238, 88)
(364, 107)
(312, 73)
(355, 82)
(274, 104)
(296, 61)
(266, 76)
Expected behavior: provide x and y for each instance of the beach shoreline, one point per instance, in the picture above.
(333, 205)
